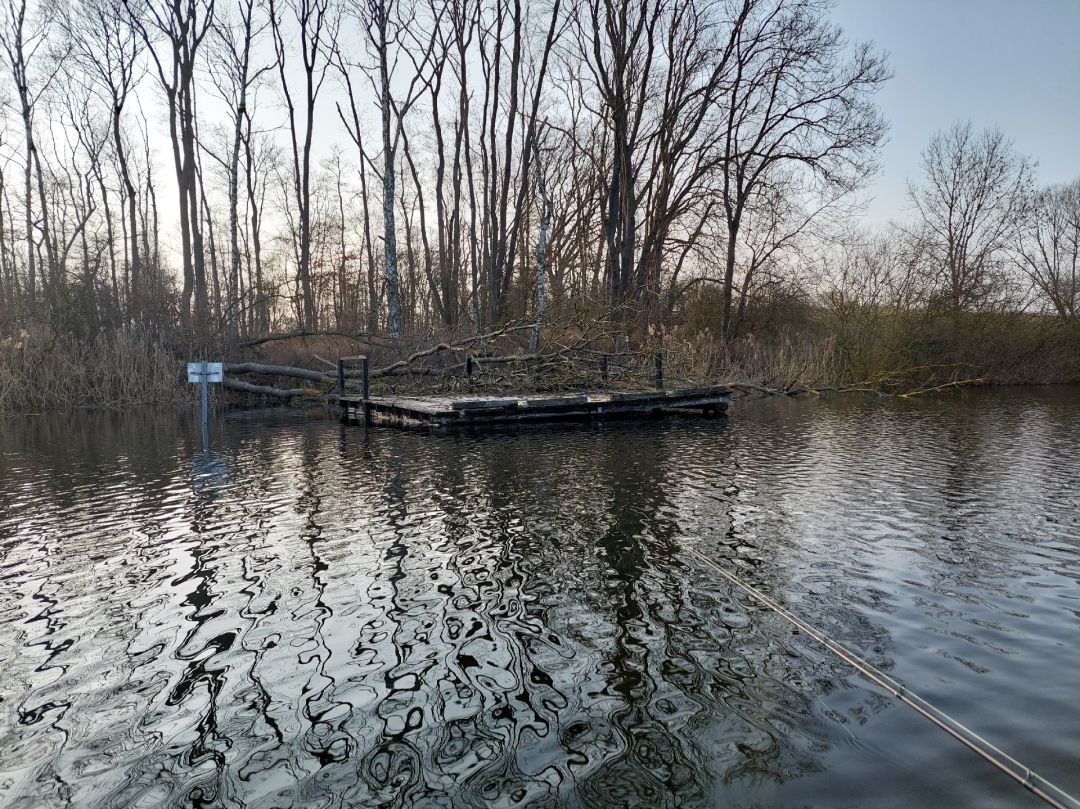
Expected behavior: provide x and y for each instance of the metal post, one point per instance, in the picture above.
(341, 377)
(659, 370)
(204, 385)
(203, 373)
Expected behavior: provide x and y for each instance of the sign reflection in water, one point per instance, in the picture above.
(308, 617)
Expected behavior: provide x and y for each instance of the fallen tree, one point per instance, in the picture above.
(266, 390)
(276, 370)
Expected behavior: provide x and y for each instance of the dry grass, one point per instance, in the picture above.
(785, 362)
(42, 371)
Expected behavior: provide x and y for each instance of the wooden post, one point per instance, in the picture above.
(341, 391)
(603, 368)
(468, 365)
(659, 370)
(367, 389)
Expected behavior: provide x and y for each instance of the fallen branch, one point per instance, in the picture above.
(455, 346)
(265, 390)
(276, 370)
(858, 387)
(363, 337)
(958, 383)
(752, 387)
(409, 360)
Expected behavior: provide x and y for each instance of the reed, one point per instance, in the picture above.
(42, 370)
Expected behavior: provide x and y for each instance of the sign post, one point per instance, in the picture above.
(205, 373)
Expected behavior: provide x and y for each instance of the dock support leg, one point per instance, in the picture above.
(367, 390)
(341, 389)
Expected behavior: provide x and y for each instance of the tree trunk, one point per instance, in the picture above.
(393, 286)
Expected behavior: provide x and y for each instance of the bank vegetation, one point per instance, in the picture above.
(287, 181)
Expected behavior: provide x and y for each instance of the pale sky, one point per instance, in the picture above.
(1014, 64)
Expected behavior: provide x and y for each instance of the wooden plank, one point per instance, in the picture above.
(557, 401)
(639, 396)
(482, 404)
(421, 405)
(706, 390)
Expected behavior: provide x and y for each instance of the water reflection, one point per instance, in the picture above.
(312, 615)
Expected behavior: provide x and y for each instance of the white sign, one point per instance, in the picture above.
(210, 371)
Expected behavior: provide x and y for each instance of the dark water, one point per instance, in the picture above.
(310, 617)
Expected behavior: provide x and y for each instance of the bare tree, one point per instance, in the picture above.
(976, 187)
(677, 137)
(541, 247)
(316, 30)
(233, 74)
(24, 37)
(108, 48)
(260, 159)
(173, 32)
(389, 25)
(1048, 247)
(797, 98)
(618, 42)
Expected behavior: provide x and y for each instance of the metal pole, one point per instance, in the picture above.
(205, 396)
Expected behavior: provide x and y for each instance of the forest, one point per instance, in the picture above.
(253, 179)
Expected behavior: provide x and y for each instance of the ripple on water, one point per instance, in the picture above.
(308, 616)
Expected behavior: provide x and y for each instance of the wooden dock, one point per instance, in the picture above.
(593, 406)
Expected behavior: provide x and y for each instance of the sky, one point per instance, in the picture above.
(1013, 64)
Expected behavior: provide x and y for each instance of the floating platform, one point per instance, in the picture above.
(445, 411)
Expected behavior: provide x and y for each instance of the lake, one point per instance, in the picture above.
(317, 616)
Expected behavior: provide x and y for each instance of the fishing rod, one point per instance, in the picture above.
(1049, 792)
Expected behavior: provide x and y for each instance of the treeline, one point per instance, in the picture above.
(983, 276)
(214, 171)
(394, 165)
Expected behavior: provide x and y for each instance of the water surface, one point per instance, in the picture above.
(313, 616)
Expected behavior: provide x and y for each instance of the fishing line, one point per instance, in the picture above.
(1025, 776)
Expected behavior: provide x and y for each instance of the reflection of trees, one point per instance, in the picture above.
(655, 765)
(467, 620)
(658, 657)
